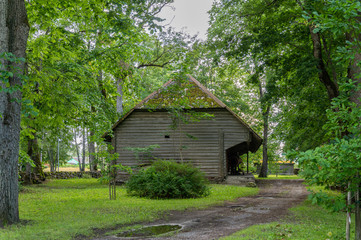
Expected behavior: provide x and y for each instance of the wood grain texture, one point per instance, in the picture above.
(206, 151)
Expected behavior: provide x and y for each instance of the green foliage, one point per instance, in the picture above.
(8, 71)
(64, 209)
(167, 179)
(110, 170)
(270, 41)
(24, 159)
(5, 74)
(338, 162)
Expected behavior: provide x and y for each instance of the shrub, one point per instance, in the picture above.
(166, 179)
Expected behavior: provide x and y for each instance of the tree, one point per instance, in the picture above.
(338, 162)
(340, 19)
(14, 29)
(273, 38)
(85, 59)
(266, 107)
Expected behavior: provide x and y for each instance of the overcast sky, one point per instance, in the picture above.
(191, 14)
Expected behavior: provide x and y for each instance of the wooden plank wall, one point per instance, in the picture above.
(143, 128)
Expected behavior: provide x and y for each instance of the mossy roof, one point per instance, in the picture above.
(187, 93)
(184, 93)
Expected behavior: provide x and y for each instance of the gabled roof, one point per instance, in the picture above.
(186, 94)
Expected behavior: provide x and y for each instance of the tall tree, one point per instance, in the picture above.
(276, 35)
(14, 30)
(341, 19)
(82, 59)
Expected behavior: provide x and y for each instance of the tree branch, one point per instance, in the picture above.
(153, 65)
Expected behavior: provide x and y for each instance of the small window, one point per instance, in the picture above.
(166, 136)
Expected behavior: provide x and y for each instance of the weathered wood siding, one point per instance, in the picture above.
(143, 128)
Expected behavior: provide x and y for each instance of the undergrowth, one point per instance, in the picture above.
(166, 179)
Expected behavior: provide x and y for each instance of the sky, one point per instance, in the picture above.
(189, 14)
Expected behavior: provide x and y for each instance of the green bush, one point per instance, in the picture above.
(166, 179)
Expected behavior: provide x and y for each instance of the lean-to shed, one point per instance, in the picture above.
(212, 143)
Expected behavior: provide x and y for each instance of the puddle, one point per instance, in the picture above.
(237, 207)
(257, 209)
(150, 231)
(266, 198)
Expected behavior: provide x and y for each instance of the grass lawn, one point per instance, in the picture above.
(279, 177)
(62, 209)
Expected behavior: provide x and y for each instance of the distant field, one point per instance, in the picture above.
(280, 177)
(66, 169)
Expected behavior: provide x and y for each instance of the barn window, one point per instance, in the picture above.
(166, 136)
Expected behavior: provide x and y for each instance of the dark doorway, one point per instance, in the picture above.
(235, 164)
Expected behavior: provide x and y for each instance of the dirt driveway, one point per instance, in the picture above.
(273, 202)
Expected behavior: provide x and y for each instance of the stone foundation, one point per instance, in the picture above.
(247, 180)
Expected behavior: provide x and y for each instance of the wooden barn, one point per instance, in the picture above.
(206, 134)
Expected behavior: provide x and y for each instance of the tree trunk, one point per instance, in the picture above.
(51, 159)
(358, 213)
(34, 154)
(77, 149)
(58, 154)
(14, 30)
(264, 168)
(28, 171)
(84, 148)
(348, 213)
(324, 77)
(120, 96)
(331, 86)
(92, 162)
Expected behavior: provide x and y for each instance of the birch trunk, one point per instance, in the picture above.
(77, 149)
(348, 214)
(92, 162)
(84, 148)
(264, 168)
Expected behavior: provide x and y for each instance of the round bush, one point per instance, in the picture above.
(166, 179)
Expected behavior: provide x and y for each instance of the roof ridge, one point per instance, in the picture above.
(191, 80)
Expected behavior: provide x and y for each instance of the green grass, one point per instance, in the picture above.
(62, 209)
(316, 189)
(280, 177)
(306, 222)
